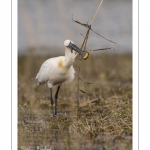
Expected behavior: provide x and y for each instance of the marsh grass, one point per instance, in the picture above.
(104, 117)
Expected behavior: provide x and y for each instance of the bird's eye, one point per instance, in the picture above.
(71, 51)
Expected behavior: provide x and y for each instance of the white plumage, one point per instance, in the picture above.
(57, 70)
(54, 71)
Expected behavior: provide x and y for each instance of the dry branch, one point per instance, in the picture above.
(83, 47)
(84, 104)
(89, 28)
(101, 49)
(84, 44)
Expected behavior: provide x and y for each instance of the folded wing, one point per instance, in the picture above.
(44, 72)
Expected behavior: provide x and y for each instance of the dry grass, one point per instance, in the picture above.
(104, 118)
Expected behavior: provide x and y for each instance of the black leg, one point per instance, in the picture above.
(56, 96)
(51, 100)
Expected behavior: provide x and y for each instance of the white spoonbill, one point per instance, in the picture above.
(57, 70)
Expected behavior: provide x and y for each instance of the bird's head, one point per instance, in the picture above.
(69, 44)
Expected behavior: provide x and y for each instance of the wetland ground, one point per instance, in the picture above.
(103, 120)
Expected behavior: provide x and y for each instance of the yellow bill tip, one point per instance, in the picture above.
(86, 55)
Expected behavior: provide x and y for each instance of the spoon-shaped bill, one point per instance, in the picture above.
(84, 54)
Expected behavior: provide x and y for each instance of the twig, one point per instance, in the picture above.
(101, 49)
(88, 102)
(104, 37)
(83, 24)
(96, 11)
(84, 44)
(86, 92)
(85, 81)
(89, 26)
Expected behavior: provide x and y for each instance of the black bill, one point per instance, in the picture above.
(84, 54)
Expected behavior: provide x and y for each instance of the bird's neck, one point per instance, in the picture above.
(69, 57)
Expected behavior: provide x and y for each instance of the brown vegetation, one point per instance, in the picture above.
(104, 117)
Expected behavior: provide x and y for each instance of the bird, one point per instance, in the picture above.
(55, 71)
